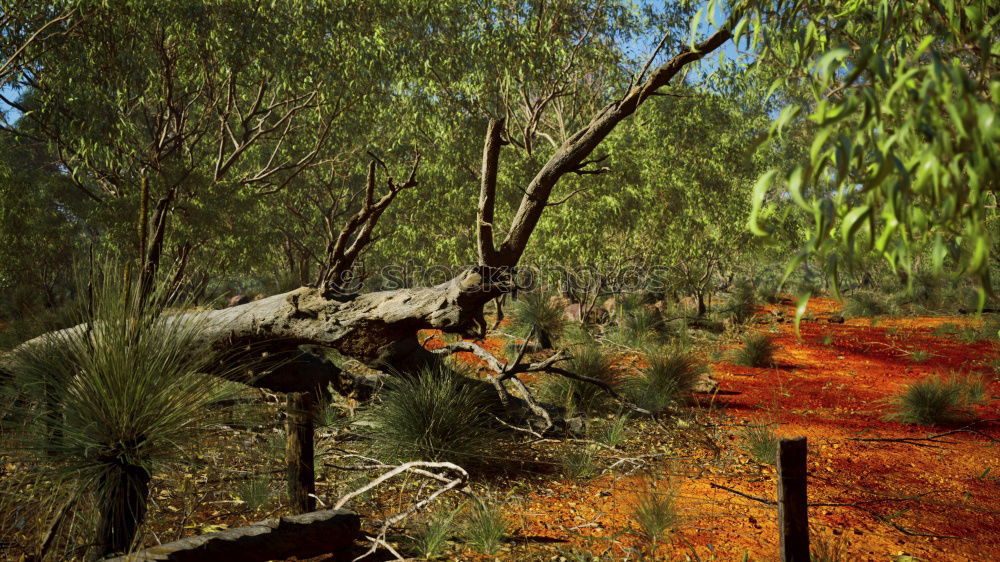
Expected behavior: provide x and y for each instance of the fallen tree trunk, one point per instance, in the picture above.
(379, 329)
(301, 536)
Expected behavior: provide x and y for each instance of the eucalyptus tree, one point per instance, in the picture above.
(186, 114)
(904, 151)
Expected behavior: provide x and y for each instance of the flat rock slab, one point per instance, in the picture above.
(306, 535)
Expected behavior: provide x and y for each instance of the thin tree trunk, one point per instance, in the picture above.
(122, 494)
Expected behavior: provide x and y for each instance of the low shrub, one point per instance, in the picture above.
(436, 415)
(580, 462)
(588, 361)
(486, 528)
(656, 512)
(255, 493)
(866, 304)
(667, 379)
(757, 351)
(640, 328)
(537, 310)
(761, 443)
(935, 401)
(613, 431)
(431, 539)
(742, 303)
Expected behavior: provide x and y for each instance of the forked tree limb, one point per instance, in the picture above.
(574, 151)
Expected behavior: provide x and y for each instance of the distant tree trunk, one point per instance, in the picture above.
(702, 309)
(300, 451)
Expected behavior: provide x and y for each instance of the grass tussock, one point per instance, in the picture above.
(742, 303)
(432, 537)
(101, 410)
(867, 304)
(486, 528)
(757, 351)
(580, 462)
(938, 401)
(655, 513)
(537, 311)
(761, 443)
(436, 415)
(667, 380)
(578, 396)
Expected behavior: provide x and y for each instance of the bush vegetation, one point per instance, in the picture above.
(655, 511)
(937, 401)
(486, 528)
(667, 379)
(757, 351)
(103, 409)
(537, 311)
(761, 443)
(577, 396)
(436, 415)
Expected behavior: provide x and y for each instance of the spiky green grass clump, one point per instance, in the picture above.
(538, 312)
(667, 380)
(431, 539)
(486, 528)
(641, 328)
(574, 395)
(580, 462)
(436, 415)
(742, 303)
(255, 493)
(614, 431)
(937, 401)
(656, 512)
(866, 304)
(757, 351)
(761, 443)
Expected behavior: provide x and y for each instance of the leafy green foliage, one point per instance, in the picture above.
(757, 351)
(436, 415)
(937, 401)
(901, 113)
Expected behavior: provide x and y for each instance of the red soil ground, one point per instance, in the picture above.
(933, 500)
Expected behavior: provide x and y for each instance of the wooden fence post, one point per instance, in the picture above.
(299, 450)
(793, 510)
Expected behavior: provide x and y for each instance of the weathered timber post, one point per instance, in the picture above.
(793, 510)
(299, 450)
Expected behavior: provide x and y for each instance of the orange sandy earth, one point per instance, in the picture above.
(832, 394)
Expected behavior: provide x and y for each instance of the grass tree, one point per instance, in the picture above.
(104, 405)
